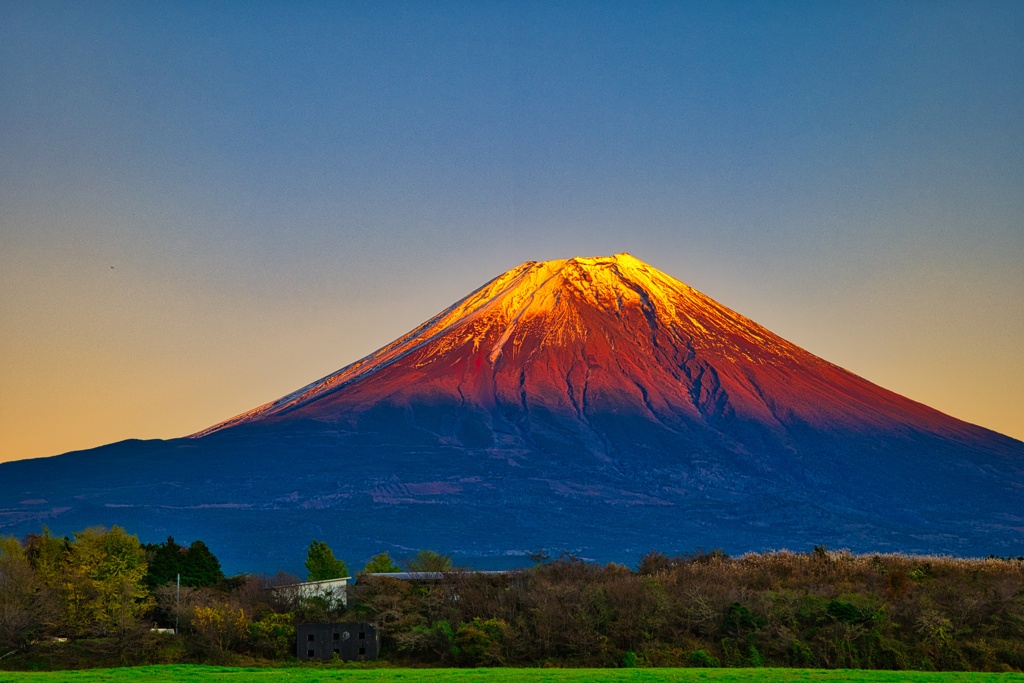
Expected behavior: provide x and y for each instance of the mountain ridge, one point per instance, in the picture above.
(591, 404)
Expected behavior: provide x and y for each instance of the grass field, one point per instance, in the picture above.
(212, 674)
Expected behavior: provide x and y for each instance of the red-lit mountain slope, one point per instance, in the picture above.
(572, 340)
(595, 405)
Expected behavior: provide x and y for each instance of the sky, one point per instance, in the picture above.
(206, 205)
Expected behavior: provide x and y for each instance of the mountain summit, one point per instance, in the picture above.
(596, 405)
(575, 339)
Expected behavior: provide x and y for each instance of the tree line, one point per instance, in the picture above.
(94, 599)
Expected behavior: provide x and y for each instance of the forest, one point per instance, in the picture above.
(102, 598)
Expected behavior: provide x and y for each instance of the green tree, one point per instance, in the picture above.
(478, 642)
(49, 557)
(105, 581)
(381, 564)
(321, 563)
(201, 568)
(429, 561)
(197, 565)
(47, 554)
(164, 562)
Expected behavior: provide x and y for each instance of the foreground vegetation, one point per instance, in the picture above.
(92, 601)
(174, 673)
(822, 609)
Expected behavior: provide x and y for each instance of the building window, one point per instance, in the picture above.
(310, 653)
(362, 650)
(335, 637)
(362, 636)
(310, 638)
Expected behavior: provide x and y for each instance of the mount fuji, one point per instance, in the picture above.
(594, 405)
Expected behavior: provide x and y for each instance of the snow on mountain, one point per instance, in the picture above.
(560, 333)
(596, 405)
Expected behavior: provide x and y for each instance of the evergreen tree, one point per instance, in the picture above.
(430, 561)
(165, 562)
(321, 563)
(381, 564)
(200, 567)
(197, 566)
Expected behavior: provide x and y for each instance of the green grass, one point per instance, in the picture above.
(215, 674)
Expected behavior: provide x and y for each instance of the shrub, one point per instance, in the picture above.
(704, 659)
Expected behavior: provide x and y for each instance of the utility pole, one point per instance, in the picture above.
(177, 604)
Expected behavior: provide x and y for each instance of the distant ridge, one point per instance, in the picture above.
(593, 404)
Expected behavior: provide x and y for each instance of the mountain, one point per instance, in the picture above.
(595, 405)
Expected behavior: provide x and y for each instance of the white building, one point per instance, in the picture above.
(333, 591)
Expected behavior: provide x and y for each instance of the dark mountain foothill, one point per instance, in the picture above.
(594, 405)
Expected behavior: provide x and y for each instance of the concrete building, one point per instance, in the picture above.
(348, 641)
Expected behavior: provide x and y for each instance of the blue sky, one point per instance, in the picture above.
(206, 205)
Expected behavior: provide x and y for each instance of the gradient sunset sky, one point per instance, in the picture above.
(205, 205)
